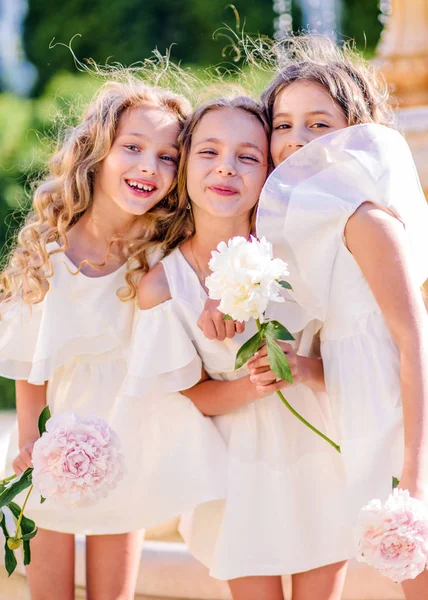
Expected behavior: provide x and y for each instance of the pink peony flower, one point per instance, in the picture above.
(393, 538)
(76, 461)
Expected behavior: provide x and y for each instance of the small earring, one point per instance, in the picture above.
(189, 206)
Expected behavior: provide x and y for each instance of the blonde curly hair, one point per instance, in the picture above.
(66, 192)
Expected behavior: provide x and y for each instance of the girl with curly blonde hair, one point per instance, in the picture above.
(68, 300)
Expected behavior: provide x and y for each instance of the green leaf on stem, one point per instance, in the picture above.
(285, 285)
(4, 482)
(45, 415)
(28, 526)
(277, 331)
(278, 361)
(28, 531)
(227, 318)
(26, 551)
(395, 482)
(15, 487)
(249, 349)
(9, 555)
(42, 499)
(29, 536)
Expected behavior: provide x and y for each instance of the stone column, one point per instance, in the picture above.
(402, 56)
(402, 53)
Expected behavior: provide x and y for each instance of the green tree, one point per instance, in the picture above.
(128, 30)
(361, 22)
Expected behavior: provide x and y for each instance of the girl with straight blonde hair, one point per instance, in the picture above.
(265, 525)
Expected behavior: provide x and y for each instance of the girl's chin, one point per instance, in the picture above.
(230, 214)
(140, 206)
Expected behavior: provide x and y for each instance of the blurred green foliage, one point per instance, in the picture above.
(28, 130)
(7, 394)
(124, 31)
(127, 31)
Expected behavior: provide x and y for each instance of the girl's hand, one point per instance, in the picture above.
(212, 324)
(264, 379)
(417, 486)
(24, 459)
(304, 370)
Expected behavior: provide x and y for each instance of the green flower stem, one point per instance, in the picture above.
(4, 481)
(305, 422)
(299, 416)
(21, 514)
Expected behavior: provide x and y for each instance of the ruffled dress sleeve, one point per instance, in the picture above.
(308, 199)
(163, 357)
(19, 326)
(79, 316)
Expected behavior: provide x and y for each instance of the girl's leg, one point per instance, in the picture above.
(324, 583)
(416, 589)
(256, 588)
(112, 563)
(52, 566)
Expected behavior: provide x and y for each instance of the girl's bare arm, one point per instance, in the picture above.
(378, 243)
(30, 401)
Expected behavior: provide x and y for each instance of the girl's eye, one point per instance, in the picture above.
(282, 126)
(249, 157)
(169, 159)
(208, 153)
(132, 147)
(319, 125)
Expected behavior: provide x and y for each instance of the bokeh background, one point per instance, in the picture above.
(39, 78)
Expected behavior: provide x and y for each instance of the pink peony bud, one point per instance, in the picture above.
(76, 461)
(393, 538)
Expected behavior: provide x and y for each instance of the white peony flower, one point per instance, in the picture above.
(245, 277)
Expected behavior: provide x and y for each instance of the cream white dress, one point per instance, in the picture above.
(77, 339)
(304, 207)
(282, 512)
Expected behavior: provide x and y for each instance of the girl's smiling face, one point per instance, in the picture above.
(141, 165)
(302, 112)
(228, 162)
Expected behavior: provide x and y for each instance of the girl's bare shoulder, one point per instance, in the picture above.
(154, 288)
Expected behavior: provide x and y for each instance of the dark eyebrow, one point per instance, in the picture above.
(311, 114)
(143, 135)
(217, 141)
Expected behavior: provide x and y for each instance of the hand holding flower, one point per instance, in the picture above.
(415, 484)
(245, 278)
(212, 323)
(24, 460)
(303, 369)
(76, 462)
